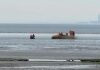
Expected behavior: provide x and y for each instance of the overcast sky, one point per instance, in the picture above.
(48, 11)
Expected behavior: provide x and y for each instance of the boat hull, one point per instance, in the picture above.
(62, 37)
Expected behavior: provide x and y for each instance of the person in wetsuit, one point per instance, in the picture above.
(32, 36)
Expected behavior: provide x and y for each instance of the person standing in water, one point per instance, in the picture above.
(32, 36)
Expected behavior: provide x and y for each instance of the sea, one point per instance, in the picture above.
(46, 53)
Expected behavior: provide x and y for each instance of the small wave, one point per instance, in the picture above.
(48, 35)
(43, 34)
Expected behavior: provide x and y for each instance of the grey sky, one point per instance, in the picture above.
(48, 11)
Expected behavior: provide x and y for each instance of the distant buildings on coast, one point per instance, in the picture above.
(95, 21)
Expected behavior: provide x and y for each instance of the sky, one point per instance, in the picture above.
(48, 11)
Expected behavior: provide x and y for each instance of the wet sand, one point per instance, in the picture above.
(6, 65)
(56, 54)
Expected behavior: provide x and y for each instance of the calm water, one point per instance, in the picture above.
(49, 28)
(16, 36)
(15, 42)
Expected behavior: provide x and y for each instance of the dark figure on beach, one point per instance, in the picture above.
(32, 36)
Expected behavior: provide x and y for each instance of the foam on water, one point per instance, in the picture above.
(48, 35)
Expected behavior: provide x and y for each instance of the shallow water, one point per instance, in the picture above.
(21, 41)
(19, 44)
